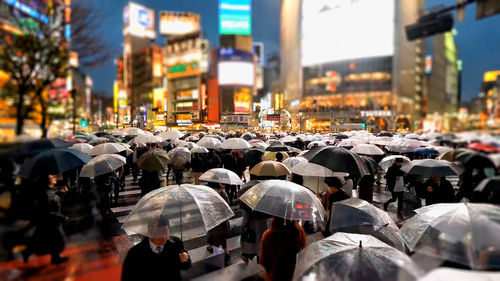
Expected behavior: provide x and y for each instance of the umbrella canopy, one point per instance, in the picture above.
(354, 257)
(83, 147)
(475, 160)
(388, 161)
(134, 132)
(367, 149)
(463, 233)
(190, 145)
(338, 159)
(305, 168)
(102, 164)
(271, 155)
(398, 149)
(191, 211)
(278, 148)
(316, 143)
(235, 143)
(426, 151)
(358, 216)
(98, 140)
(412, 136)
(371, 165)
(199, 149)
(153, 160)
(431, 168)
(171, 135)
(385, 134)
(148, 139)
(288, 139)
(34, 147)
(495, 158)
(488, 148)
(138, 142)
(209, 142)
(270, 169)
(292, 161)
(273, 142)
(259, 145)
(284, 199)
(350, 142)
(221, 175)
(447, 274)
(108, 148)
(450, 155)
(53, 162)
(382, 140)
(247, 136)
(487, 191)
(179, 156)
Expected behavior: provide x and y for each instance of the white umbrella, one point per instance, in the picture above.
(108, 148)
(447, 274)
(199, 149)
(292, 161)
(119, 133)
(189, 211)
(412, 136)
(171, 135)
(83, 147)
(148, 139)
(235, 143)
(388, 161)
(137, 142)
(367, 149)
(102, 164)
(407, 142)
(180, 143)
(209, 142)
(350, 142)
(312, 170)
(315, 143)
(134, 132)
(190, 145)
(382, 141)
(288, 139)
(221, 175)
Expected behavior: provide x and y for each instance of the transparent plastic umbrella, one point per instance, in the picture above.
(464, 233)
(354, 257)
(367, 149)
(108, 148)
(235, 143)
(199, 149)
(148, 139)
(191, 211)
(134, 132)
(221, 175)
(102, 164)
(209, 142)
(358, 216)
(292, 161)
(447, 274)
(179, 156)
(83, 147)
(137, 142)
(388, 161)
(171, 135)
(284, 199)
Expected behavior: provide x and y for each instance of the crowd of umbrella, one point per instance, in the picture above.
(366, 244)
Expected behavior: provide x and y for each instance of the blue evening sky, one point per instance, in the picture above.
(478, 41)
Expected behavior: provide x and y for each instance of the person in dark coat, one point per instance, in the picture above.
(466, 186)
(334, 194)
(439, 190)
(365, 185)
(279, 248)
(104, 186)
(394, 186)
(197, 167)
(149, 181)
(217, 235)
(156, 258)
(48, 237)
(212, 160)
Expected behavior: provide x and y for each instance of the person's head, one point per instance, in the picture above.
(398, 162)
(333, 183)
(161, 233)
(279, 156)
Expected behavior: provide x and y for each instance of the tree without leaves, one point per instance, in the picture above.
(87, 37)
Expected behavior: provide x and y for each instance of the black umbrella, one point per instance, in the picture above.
(102, 134)
(474, 160)
(34, 147)
(487, 191)
(341, 137)
(370, 164)
(278, 148)
(247, 137)
(53, 162)
(385, 134)
(338, 159)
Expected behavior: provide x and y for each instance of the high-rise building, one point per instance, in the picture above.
(345, 63)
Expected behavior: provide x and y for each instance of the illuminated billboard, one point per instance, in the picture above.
(336, 30)
(139, 21)
(242, 100)
(235, 17)
(236, 73)
(173, 23)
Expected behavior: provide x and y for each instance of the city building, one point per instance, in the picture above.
(365, 75)
(441, 83)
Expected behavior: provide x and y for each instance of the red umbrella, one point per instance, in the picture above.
(484, 147)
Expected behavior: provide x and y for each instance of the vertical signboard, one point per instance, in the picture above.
(139, 21)
(235, 17)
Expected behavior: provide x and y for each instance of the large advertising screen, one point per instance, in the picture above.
(335, 30)
(174, 23)
(242, 100)
(238, 73)
(235, 17)
(139, 21)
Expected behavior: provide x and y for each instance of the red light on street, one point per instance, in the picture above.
(299, 206)
(352, 66)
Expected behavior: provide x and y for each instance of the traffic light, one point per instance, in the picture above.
(363, 125)
(428, 25)
(83, 123)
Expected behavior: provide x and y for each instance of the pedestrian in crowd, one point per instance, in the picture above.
(48, 237)
(439, 190)
(279, 157)
(253, 224)
(119, 184)
(149, 181)
(104, 186)
(333, 194)
(160, 257)
(197, 167)
(230, 163)
(348, 185)
(466, 185)
(179, 167)
(396, 185)
(279, 248)
(132, 162)
(241, 165)
(217, 235)
(365, 188)
(212, 160)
